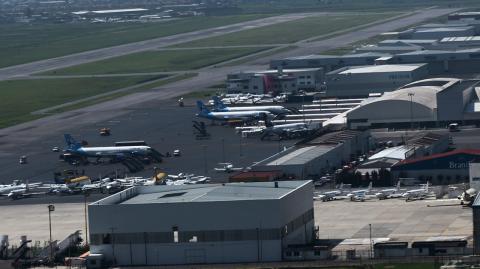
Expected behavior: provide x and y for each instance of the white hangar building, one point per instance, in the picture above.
(429, 102)
(356, 81)
(212, 223)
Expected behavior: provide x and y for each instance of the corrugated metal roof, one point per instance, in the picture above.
(440, 155)
(302, 155)
(392, 153)
(382, 68)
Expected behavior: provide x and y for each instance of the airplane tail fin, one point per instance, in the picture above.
(217, 103)
(370, 186)
(341, 186)
(202, 108)
(426, 186)
(398, 186)
(71, 143)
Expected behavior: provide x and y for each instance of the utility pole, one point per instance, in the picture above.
(86, 194)
(223, 150)
(411, 94)
(205, 159)
(50, 209)
(371, 241)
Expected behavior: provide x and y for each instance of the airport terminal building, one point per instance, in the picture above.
(196, 224)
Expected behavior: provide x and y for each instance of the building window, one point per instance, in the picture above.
(245, 87)
(255, 87)
(296, 253)
(316, 253)
(289, 254)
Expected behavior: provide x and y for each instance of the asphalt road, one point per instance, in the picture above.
(163, 125)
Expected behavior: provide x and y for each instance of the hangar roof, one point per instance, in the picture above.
(380, 68)
(203, 193)
(440, 155)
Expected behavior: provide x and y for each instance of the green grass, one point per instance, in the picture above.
(279, 6)
(18, 98)
(22, 43)
(144, 87)
(290, 32)
(157, 61)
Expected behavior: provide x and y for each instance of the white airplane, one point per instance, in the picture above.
(243, 116)
(330, 195)
(18, 190)
(77, 148)
(227, 167)
(360, 194)
(220, 106)
(389, 193)
(417, 194)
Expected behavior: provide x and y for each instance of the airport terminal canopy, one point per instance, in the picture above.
(416, 100)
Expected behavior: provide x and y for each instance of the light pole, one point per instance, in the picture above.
(50, 209)
(371, 241)
(223, 149)
(205, 159)
(86, 194)
(411, 94)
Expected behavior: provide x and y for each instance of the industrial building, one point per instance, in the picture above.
(430, 102)
(469, 17)
(327, 62)
(459, 42)
(317, 156)
(422, 145)
(276, 81)
(439, 61)
(363, 80)
(197, 224)
(443, 168)
(427, 32)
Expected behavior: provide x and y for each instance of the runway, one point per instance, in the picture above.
(104, 53)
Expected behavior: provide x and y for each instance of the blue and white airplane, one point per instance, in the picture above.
(244, 116)
(221, 107)
(77, 148)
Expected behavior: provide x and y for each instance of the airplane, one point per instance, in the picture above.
(417, 194)
(389, 193)
(228, 168)
(219, 106)
(288, 130)
(242, 116)
(330, 195)
(360, 194)
(119, 152)
(17, 190)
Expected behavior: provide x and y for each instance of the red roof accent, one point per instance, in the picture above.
(439, 155)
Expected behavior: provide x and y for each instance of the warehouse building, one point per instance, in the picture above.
(360, 81)
(459, 42)
(276, 81)
(327, 62)
(439, 61)
(318, 156)
(422, 145)
(193, 224)
(427, 32)
(392, 49)
(430, 102)
(468, 17)
(443, 168)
